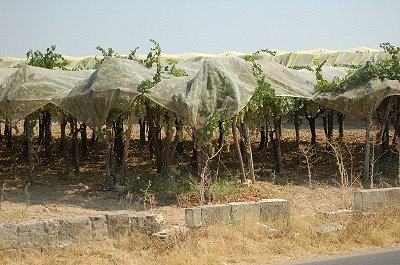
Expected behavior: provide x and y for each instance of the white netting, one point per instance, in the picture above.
(214, 83)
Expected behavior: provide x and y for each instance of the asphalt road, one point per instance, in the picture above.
(381, 257)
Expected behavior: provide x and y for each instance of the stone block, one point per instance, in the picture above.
(193, 217)
(153, 223)
(274, 209)
(149, 224)
(392, 197)
(72, 230)
(99, 227)
(245, 210)
(8, 236)
(137, 223)
(369, 199)
(215, 214)
(37, 233)
(118, 223)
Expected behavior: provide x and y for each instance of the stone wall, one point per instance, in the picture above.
(372, 199)
(224, 213)
(62, 232)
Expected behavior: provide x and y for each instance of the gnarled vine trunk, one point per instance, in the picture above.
(276, 141)
(84, 144)
(340, 117)
(46, 123)
(74, 143)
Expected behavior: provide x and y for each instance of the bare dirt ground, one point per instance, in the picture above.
(61, 193)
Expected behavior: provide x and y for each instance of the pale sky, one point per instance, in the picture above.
(210, 26)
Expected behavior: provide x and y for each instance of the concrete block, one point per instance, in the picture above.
(272, 209)
(149, 224)
(215, 214)
(118, 223)
(369, 199)
(99, 227)
(245, 210)
(8, 236)
(71, 230)
(193, 217)
(37, 233)
(392, 197)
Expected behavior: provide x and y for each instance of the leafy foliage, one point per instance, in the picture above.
(173, 70)
(50, 59)
(153, 57)
(264, 101)
(299, 67)
(105, 53)
(386, 69)
(324, 85)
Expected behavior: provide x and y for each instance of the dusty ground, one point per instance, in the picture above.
(62, 193)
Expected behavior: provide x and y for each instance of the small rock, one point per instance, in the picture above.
(63, 244)
(175, 232)
(266, 228)
(120, 188)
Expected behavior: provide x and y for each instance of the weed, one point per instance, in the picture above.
(308, 152)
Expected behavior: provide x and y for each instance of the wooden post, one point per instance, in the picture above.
(242, 174)
(109, 160)
(248, 149)
(367, 152)
(31, 158)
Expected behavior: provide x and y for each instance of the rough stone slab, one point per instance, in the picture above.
(193, 217)
(328, 228)
(272, 209)
(71, 230)
(215, 214)
(245, 210)
(336, 214)
(99, 227)
(37, 233)
(176, 232)
(392, 197)
(118, 223)
(369, 199)
(8, 236)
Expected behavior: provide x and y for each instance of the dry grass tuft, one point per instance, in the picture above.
(244, 242)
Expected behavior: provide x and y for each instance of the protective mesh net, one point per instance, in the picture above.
(29, 88)
(214, 83)
(112, 86)
(220, 84)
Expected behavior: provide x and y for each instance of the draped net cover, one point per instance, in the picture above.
(214, 83)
